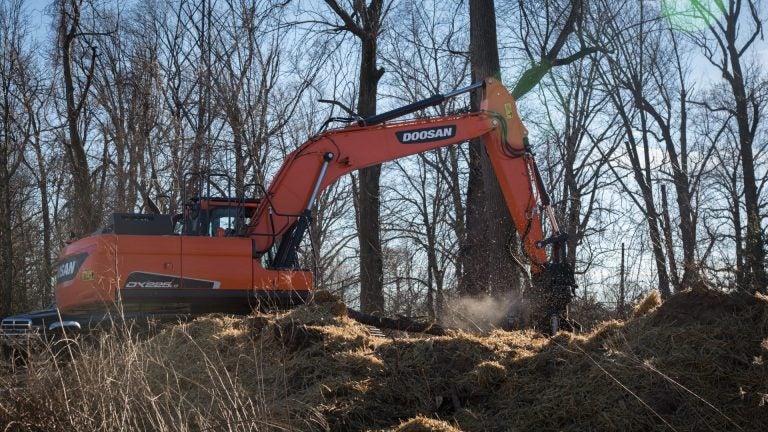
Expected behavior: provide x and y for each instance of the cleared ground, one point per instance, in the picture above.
(696, 362)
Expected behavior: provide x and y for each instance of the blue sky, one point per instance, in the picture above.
(701, 72)
(36, 11)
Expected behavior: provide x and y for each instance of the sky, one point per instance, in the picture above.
(702, 72)
(39, 19)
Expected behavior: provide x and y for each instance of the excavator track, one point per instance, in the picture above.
(401, 324)
(375, 332)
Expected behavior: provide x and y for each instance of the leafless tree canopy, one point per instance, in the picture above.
(648, 120)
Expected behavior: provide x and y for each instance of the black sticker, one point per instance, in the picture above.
(69, 267)
(417, 136)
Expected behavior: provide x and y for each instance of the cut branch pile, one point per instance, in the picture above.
(695, 362)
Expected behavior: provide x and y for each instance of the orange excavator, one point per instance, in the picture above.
(228, 255)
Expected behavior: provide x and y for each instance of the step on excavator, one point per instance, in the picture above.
(231, 255)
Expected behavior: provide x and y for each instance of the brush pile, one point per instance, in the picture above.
(699, 361)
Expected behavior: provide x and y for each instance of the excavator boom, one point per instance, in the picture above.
(326, 157)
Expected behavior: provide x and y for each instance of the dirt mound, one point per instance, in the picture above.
(706, 306)
(695, 362)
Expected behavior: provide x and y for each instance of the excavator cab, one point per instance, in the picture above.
(211, 215)
(214, 217)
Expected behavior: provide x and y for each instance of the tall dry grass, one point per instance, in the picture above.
(695, 362)
(116, 380)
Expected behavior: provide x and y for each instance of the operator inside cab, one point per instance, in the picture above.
(220, 221)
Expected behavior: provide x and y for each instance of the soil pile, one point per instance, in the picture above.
(696, 362)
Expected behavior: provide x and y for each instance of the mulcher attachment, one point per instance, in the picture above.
(553, 289)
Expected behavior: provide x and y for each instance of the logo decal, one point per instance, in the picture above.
(418, 136)
(68, 267)
(154, 280)
(150, 284)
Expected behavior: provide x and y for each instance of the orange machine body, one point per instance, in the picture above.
(171, 273)
(147, 265)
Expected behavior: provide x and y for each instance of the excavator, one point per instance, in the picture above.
(231, 255)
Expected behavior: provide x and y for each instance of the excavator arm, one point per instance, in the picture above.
(284, 212)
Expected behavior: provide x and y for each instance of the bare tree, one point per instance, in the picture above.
(35, 99)
(78, 61)
(581, 142)
(406, 276)
(418, 212)
(14, 133)
(547, 29)
(365, 22)
(329, 247)
(723, 212)
(652, 69)
(632, 34)
(255, 97)
(246, 72)
(185, 37)
(733, 26)
(489, 224)
(426, 203)
(126, 92)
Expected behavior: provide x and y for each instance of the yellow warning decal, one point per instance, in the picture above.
(510, 110)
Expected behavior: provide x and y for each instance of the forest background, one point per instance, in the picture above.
(648, 122)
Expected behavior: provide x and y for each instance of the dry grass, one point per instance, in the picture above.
(647, 305)
(119, 382)
(425, 424)
(696, 362)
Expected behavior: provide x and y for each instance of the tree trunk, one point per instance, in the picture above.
(85, 218)
(676, 283)
(754, 256)
(6, 243)
(622, 293)
(474, 255)
(42, 183)
(369, 233)
(642, 175)
(733, 37)
(644, 181)
(682, 183)
(365, 23)
(738, 239)
(656, 243)
(486, 257)
(571, 196)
